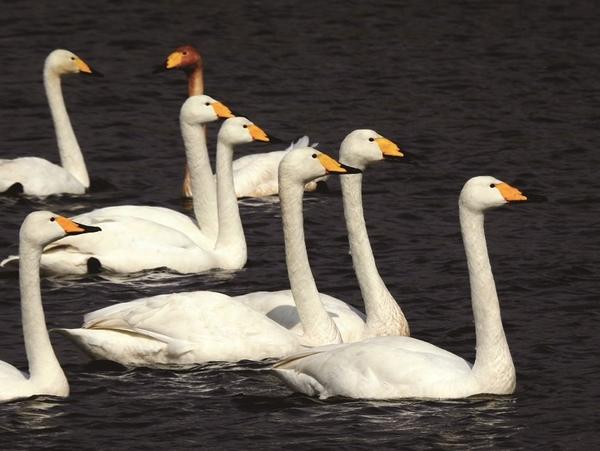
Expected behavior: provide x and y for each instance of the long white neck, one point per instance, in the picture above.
(43, 364)
(319, 328)
(71, 157)
(204, 191)
(493, 367)
(231, 232)
(384, 315)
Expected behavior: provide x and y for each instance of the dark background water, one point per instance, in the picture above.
(508, 89)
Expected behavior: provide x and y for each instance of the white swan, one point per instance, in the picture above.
(197, 327)
(46, 377)
(254, 175)
(359, 149)
(400, 367)
(143, 238)
(38, 177)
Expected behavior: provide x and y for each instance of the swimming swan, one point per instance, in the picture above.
(359, 149)
(46, 377)
(254, 175)
(197, 327)
(148, 238)
(35, 176)
(401, 367)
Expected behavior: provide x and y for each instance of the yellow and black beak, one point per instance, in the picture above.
(257, 133)
(74, 228)
(510, 193)
(389, 149)
(222, 111)
(332, 166)
(173, 61)
(84, 68)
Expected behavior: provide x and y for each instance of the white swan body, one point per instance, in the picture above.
(400, 367)
(138, 238)
(36, 176)
(254, 175)
(384, 317)
(196, 327)
(46, 377)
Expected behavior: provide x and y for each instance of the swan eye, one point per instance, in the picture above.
(184, 53)
(72, 58)
(245, 126)
(207, 104)
(52, 219)
(314, 155)
(492, 185)
(371, 139)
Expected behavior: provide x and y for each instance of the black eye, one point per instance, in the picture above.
(245, 126)
(207, 103)
(492, 185)
(184, 53)
(314, 155)
(72, 58)
(52, 219)
(371, 139)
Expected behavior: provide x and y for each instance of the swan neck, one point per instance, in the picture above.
(493, 362)
(71, 157)
(204, 192)
(195, 79)
(384, 315)
(319, 328)
(231, 233)
(40, 354)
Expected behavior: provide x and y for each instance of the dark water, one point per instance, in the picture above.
(508, 89)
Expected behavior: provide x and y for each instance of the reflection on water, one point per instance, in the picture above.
(35, 414)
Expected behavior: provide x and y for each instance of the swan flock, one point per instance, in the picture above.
(321, 345)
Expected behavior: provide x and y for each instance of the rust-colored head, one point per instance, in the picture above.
(184, 57)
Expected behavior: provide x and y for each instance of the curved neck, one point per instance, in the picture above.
(204, 192)
(231, 233)
(43, 363)
(71, 157)
(195, 78)
(384, 315)
(319, 328)
(493, 362)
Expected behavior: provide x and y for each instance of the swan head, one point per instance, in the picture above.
(240, 130)
(197, 110)
(44, 227)
(184, 57)
(63, 62)
(484, 192)
(304, 164)
(363, 147)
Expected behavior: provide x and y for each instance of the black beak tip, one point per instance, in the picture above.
(535, 198)
(95, 73)
(275, 140)
(351, 170)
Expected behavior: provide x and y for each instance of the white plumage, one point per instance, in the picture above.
(197, 327)
(39, 177)
(400, 367)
